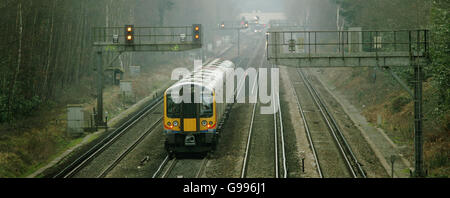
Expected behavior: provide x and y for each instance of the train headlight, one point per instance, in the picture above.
(211, 123)
(175, 123)
(168, 124)
(204, 122)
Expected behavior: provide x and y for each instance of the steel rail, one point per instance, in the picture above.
(161, 166)
(169, 170)
(330, 126)
(82, 161)
(130, 148)
(247, 149)
(277, 110)
(342, 137)
(167, 158)
(308, 132)
(79, 163)
(170, 166)
(202, 168)
(244, 165)
(275, 133)
(285, 170)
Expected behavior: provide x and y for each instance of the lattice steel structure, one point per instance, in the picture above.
(159, 39)
(348, 48)
(357, 48)
(139, 39)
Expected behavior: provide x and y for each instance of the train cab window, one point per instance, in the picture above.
(189, 110)
(173, 109)
(206, 109)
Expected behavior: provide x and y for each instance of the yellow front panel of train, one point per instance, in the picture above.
(190, 124)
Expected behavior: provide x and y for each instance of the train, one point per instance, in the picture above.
(193, 126)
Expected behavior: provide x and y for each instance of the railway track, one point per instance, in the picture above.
(265, 161)
(308, 132)
(342, 147)
(165, 169)
(118, 159)
(82, 161)
(282, 149)
(181, 168)
(194, 168)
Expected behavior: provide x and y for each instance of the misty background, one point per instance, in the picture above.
(47, 59)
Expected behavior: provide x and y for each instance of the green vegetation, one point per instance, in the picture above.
(415, 14)
(384, 14)
(440, 53)
(20, 153)
(384, 96)
(47, 62)
(399, 103)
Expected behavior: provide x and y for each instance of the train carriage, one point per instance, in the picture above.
(192, 126)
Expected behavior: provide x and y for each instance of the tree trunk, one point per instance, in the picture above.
(338, 14)
(49, 51)
(19, 57)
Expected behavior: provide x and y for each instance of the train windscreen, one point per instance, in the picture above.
(189, 110)
(207, 106)
(173, 109)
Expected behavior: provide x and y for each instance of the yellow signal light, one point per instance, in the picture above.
(197, 36)
(197, 28)
(129, 29)
(130, 37)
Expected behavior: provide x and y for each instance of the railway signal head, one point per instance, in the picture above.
(222, 25)
(246, 24)
(129, 34)
(196, 34)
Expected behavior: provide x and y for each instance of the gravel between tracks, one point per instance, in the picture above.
(95, 167)
(297, 145)
(360, 147)
(145, 159)
(330, 158)
(227, 160)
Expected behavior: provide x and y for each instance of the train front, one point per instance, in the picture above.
(190, 127)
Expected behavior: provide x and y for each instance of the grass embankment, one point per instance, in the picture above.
(382, 97)
(33, 142)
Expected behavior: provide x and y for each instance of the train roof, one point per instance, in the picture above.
(208, 76)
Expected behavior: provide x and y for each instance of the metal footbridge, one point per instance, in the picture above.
(297, 47)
